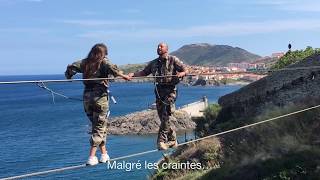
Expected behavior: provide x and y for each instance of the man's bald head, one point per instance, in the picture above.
(162, 49)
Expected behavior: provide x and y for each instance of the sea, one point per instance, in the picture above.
(40, 131)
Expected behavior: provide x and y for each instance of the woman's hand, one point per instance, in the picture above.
(126, 77)
(181, 74)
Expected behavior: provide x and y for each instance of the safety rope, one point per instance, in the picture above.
(155, 150)
(141, 77)
(159, 97)
(43, 86)
(53, 93)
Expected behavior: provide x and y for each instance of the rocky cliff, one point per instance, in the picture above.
(146, 122)
(278, 89)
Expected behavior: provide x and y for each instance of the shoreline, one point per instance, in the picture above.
(147, 121)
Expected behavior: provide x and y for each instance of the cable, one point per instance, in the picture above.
(155, 150)
(74, 80)
(250, 125)
(141, 77)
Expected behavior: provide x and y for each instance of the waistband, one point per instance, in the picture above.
(164, 85)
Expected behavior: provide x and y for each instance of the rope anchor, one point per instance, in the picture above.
(53, 93)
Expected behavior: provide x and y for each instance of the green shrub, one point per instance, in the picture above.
(212, 111)
(292, 57)
(209, 116)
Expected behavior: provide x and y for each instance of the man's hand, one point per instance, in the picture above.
(131, 74)
(127, 77)
(181, 74)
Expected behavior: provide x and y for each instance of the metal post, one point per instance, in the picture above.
(185, 136)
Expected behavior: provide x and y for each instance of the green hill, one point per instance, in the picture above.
(219, 55)
(204, 54)
(132, 67)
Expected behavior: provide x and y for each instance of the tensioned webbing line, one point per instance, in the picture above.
(155, 150)
(99, 79)
(142, 77)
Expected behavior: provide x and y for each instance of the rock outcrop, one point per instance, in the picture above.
(146, 122)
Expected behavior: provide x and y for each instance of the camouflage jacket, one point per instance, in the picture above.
(106, 69)
(165, 67)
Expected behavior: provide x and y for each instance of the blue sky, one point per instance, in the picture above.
(43, 36)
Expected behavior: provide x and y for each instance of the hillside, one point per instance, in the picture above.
(218, 55)
(132, 67)
(287, 148)
(203, 54)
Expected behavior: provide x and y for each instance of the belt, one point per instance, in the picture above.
(165, 85)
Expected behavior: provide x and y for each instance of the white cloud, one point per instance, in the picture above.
(91, 13)
(292, 5)
(275, 2)
(131, 11)
(24, 30)
(314, 7)
(34, 0)
(217, 30)
(14, 2)
(103, 22)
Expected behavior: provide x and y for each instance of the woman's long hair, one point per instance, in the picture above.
(94, 59)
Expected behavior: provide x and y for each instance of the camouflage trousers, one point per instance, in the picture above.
(96, 106)
(165, 99)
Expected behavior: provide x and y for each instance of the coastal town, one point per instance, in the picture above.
(243, 71)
